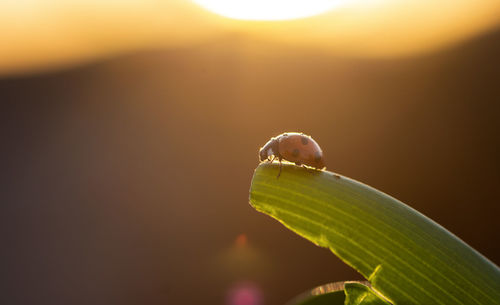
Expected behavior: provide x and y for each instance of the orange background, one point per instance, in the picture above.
(125, 179)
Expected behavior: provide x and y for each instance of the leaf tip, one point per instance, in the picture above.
(374, 273)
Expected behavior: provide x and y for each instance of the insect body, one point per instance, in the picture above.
(294, 147)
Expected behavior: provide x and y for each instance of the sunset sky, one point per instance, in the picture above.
(46, 34)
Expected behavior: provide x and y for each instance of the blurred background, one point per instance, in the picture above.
(130, 130)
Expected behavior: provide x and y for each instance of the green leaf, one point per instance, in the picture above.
(407, 257)
(359, 294)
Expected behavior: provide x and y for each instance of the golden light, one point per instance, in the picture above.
(268, 9)
(47, 34)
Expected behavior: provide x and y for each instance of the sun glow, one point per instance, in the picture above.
(65, 33)
(268, 9)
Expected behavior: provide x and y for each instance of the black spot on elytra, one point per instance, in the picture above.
(304, 140)
(295, 152)
(317, 156)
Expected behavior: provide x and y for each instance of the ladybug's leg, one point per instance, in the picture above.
(279, 173)
(271, 159)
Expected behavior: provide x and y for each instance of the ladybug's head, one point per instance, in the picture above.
(270, 149)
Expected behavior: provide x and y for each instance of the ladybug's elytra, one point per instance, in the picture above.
(294, 147)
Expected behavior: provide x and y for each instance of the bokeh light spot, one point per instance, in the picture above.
(241, 240)
(244, 293)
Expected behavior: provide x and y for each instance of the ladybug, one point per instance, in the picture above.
(294, 147)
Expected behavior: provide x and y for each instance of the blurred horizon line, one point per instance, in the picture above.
(234, 40)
